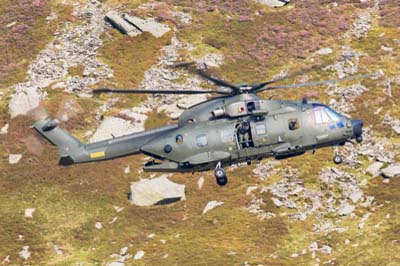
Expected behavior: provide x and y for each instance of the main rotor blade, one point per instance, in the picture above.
(218, 82)
(310, 84)
(139, 91)
(258, 86)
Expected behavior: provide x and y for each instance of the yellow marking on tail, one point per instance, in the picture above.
(98, 154)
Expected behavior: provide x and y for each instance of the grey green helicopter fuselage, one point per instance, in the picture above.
(211, 134)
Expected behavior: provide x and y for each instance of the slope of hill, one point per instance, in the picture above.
(300, 211)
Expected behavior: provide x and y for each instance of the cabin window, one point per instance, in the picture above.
(179, 139)
(293, 123)
(251, 106)
(201, 140)
(227, 135)
(261, 129)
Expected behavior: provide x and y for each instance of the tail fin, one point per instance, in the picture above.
(67, 144)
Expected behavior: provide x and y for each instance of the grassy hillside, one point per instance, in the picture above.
(258, 43)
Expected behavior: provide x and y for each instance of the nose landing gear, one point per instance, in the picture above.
(220, 175)
(337, 159)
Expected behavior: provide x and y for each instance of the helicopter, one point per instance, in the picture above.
(237, 126)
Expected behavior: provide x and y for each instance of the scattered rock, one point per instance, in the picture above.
(29, 212)
(324, 51)
(139, 255)
(346, 209)
(122, 257)
(118, 209)
(98, 225)
(250, 189)
(161, 190)
(356, 196)
(266, 169)
(277, 202)
(326, 249)
(391, 171)
(347, 63)
(394, 123)
(374, 169)
(127, 170)
(387, 49)
(211, 205)
(273, 3)
(57, 250)
(4, 129)
(210, 60)
(255, 207)
(25, 254)
(313, 247)
(14, 158)
(113, 220)
(6, 260)
(11, 24)
(200, 182)
(361, 26)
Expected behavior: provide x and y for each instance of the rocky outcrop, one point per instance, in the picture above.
(160, 190)
(71, 47)
(134, 26)
(148, 25)
(120, 23)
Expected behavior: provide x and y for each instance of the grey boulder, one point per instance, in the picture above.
(157, 191)
(391, 171)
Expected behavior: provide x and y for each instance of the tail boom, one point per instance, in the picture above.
(72, 150)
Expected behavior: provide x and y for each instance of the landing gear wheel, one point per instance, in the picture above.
(221, 177)
(222, 181)
(337, 159)
(359, 139)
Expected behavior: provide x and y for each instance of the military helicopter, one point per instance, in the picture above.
(235, 127)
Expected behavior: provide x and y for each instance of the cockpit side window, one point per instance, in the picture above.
(333, 115)
(321, 117)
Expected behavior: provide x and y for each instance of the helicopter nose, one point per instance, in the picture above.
(357, 129)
